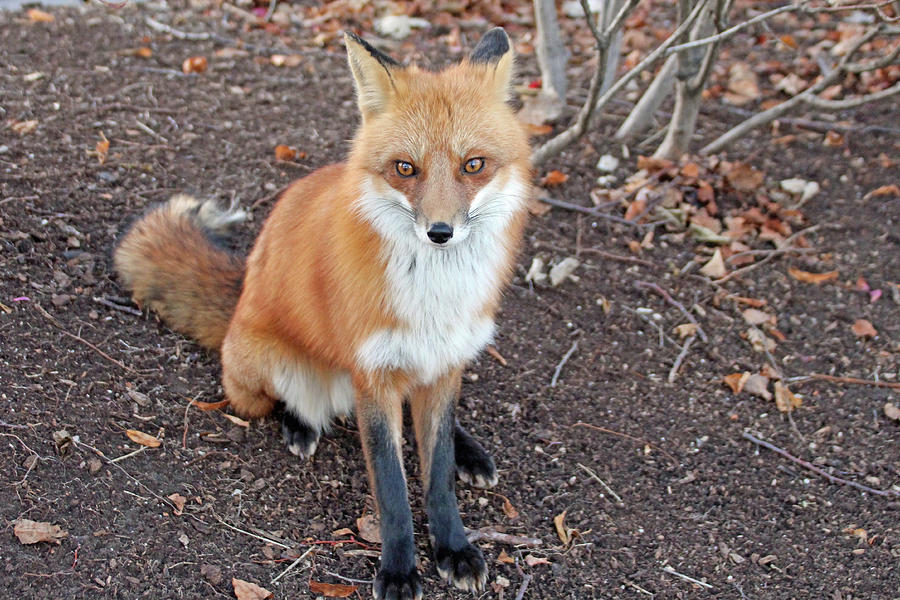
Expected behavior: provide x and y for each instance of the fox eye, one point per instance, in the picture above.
(405, 169)
(473, 165)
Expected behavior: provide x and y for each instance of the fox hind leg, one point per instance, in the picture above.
(474, 464)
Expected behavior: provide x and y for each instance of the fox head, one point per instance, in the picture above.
(442, 153)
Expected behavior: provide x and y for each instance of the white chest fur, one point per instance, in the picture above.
(439, 294)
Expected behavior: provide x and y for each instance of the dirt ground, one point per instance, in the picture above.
(696, 497)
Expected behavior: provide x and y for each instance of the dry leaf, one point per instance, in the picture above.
(283, 152)
(509, 510)
(736, 381)
(635, 208)
(754, 316)
(531, 560)
(563, 270)
(178, 500)
(715, 268)
(690, 170)
(207, 406)
(369, 528)
(565, 533)
(554, 178)
(247, 590)
(758, 385)
(24, 127)
(891, 411)
(864, 328)
(331, 590)
(653, 164)
(760, 341)
(505, 558)
(194, 64)
(32, 532)
(39, 16)
(102, 148)
(785, 399)
(686, 330)
(144, 439)
(754, 302)
(744, 178)
(496, 355)
(342, 532)
(885, 190)
(535, 130)
(816, 278)
(236, 420)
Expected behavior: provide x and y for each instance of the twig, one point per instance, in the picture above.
(847, 380)
(626, 436)
(53, 320)
(815, 469)
(268, 540)
(128, 309)
(588, 211)
(269, 197)
(668, 298)
(668, 569)
(129, 455)
(767, 252)
(601, 482)
(562, 363)
(493, 352)
(522, 589)
(787, 243)
(491, 535)
(619, 257)
(673, 372)
(122, 106)
(146, 129)
(350, 579)
(293, 564)
(731, 31)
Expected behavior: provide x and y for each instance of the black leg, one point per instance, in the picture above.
(397, 577)
(300, 438)
(473, 463)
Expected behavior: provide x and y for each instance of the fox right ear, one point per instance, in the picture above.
(371, 70)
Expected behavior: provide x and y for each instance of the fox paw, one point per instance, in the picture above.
(301, 439)
(473, 464)
(464, 568)
(397, 586)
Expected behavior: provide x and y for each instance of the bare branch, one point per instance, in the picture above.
(733, 30)
(824, 104)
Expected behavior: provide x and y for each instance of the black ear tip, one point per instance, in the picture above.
(377, 54)
(492, 46)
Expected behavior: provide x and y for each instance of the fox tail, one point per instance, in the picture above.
(171, 263)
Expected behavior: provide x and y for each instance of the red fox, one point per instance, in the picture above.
(373, 281)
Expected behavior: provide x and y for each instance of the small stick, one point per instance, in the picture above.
(624, 435)
(525, 581)
(53, 320)
(562, 363)
(491, 535)
(293, 564)
(128, 309)
(129, 455)
(847, 380)
(668, 569)
(673, 372)
(619, 257)
(668, 298)
(350, 579)
(601, 482)
(269, 197)
(496, 355)
(588, 211)
(150, 132)
(815, 469)
(637, 587)
(768, 258)
(253, 535)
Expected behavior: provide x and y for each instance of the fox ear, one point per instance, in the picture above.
(494, 50)
(371, 70)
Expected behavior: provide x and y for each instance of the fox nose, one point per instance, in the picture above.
(440, 232)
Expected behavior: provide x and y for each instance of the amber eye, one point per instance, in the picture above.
(473, 165)
(405, 169)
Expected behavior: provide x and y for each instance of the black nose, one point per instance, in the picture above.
(440, 232)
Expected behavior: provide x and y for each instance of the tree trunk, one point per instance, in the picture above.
(641, 115)
(551, 53)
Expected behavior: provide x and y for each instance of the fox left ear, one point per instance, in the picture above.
(371, 70)
(494, 50)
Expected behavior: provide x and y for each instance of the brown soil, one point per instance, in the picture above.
(696, 496)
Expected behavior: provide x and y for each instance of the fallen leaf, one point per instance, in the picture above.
(144, 439)
(754, 302)
(891, 411)
(24, 127)
(686, 330)
(562, 270)
(754, 316)
(531, 560)
(32, 532)
(885, 190)
(833, 139)
(247, 590)
(536, 271)
(509, 510)
(283, 152)
(815, 278)
(207, 406)
(331, 590)
(653, 164)
(536, 130)
(864, 328)
(690, 170)
(178, 500)
(760, 341)
(554, 178)
(194, 64)
(39, 16)
(758, 385)
(788, 40)
(736, 381)
(635, 208)
(505, 558)
(211, 573)
(491, 350)
(236, 420)
(369, 528)
(785, 399)
(342, 532)
(565, 533)
(102, 148)
(715, 268)
(744, 178)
